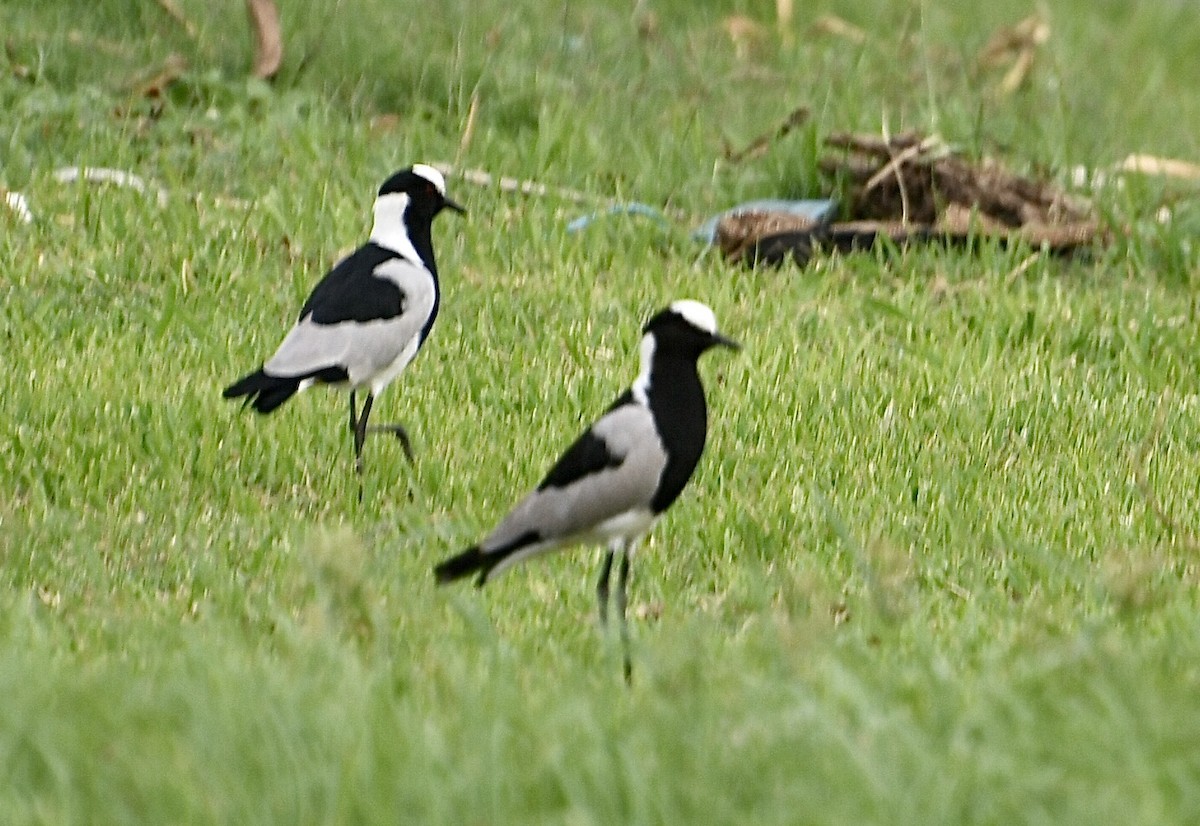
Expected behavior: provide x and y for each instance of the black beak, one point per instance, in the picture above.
(448, 204)
(725, 342)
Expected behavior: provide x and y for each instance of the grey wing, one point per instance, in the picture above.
(557, 514)
(362, 348)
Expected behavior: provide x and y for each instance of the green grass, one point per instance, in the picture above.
(918, 578)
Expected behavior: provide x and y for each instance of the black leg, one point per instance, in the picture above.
(602, 588)
(400, 433)
(360, 435)
(622, 584)
(395, 429)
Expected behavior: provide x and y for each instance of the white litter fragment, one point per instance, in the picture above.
(1083, 177)
(19, 204)
(480, 177)
(104, 175)
(1164, 167)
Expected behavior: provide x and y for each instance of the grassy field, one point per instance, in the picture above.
(938, 565)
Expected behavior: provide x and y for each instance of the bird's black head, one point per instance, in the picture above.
(686, 327)
(425, 188)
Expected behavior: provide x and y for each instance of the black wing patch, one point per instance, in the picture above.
(590, 454)
(622, 400)
(352, 292)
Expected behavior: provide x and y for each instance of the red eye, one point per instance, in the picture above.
(430, 189)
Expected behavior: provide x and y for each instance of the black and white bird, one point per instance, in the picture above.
(367, 318)
(616, 480)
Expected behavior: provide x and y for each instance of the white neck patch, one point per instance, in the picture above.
(389, 231)
(696, 314)
(641, 385)
(432, 175)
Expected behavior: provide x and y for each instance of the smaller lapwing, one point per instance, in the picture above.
(616, 480)
(367, 318)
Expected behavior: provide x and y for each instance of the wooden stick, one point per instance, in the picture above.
(268, 41)
(762, 143)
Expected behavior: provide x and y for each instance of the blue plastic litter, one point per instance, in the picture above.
(631, 208)
(818, 210)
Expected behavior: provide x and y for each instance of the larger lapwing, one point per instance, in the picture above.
(617, 479)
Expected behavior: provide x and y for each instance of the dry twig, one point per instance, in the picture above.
(155, 86)
(759, 146)
(913, 189)
(268, 38)
(19, 70)
(468, 132)
(175, 13)
(1016, 46)
(835, 26)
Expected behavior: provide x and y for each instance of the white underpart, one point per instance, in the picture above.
(696, 314)
(385, 377)
(430, 174)
(627, 526)
(641, 385)
(621, 530)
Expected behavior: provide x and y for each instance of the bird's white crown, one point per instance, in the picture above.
(430, 174)
(696, 314)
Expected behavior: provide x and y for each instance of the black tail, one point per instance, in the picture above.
(465, 564)
(263, 392)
